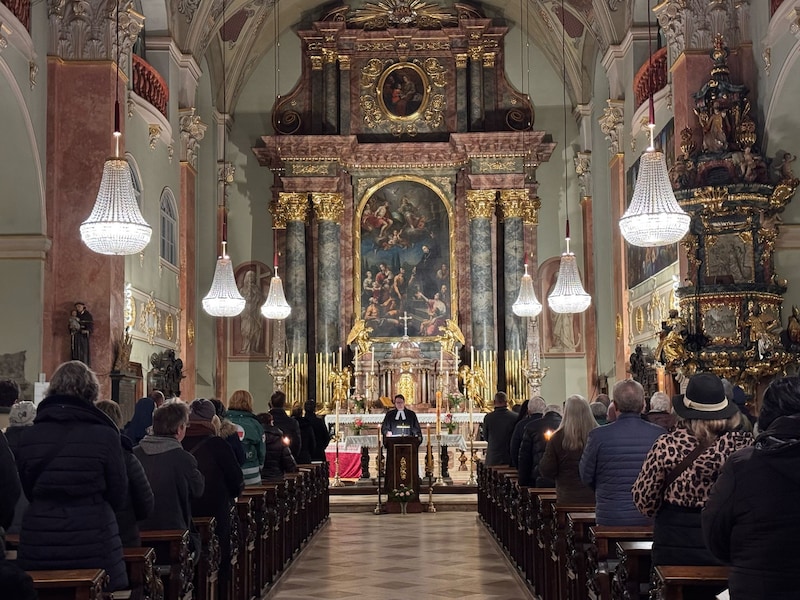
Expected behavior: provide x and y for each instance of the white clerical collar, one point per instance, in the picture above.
(401, 415)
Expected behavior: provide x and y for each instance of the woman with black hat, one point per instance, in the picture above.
(681, 467)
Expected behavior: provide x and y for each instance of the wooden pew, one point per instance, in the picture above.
(558, 546)
(247, 546)
(632, 572)
(142, 577)
(576, 540)
(669, 581)
(258, 495)
(72, 584)
(544, 499)
(603, 540)
(172, 551)
(231, 584)
(207, 573)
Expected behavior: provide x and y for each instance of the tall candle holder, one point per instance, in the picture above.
(279, 371)
(473, 379)
(337, 480)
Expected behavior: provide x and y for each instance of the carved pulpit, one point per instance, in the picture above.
(402, 468)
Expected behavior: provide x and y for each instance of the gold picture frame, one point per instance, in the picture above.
(403, 92)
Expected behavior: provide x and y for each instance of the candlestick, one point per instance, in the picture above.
(372, 362)
(470, 418)
(441, 358)
(438, 412)
(338, 402)
(471, 356)
(340, 358)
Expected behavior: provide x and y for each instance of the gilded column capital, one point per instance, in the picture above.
(480, 204)
(461, 61)
(488, 60)
(316, 63)
(329, 55)
(278, 215)
(476, 52)
(344, 62)
(294, 205)
(531, 216)
(514, 203)
(328, 206)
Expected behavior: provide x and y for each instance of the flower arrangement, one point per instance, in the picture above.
(358, 401)
(402, 494)
(449, 423)
(358, 425)
(456, 400)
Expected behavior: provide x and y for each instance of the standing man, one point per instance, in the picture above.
(498, 427)
(321, 436)
(289, 426)
(613, 457)
(401, 420)
(80, 346)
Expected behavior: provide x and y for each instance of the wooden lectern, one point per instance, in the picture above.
(402, 468)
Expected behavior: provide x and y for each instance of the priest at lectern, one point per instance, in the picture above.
(401, 421)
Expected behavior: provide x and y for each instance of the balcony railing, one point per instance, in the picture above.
(148, 84)
(21, 10)
(652, 76)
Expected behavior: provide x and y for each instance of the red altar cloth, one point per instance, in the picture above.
(349, 463)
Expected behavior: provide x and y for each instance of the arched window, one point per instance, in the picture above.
(169, 228)
(137, 179)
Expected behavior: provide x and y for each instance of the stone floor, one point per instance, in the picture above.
(401, 557)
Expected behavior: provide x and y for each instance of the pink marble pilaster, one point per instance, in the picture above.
(80, 122)
(619, 256)
(188, 278)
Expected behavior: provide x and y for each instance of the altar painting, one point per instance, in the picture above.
(646, 262)
(404, 249)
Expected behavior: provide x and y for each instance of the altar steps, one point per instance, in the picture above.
(356, 498)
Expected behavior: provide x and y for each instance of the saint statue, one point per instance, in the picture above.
(671, 346)
(563, 334)
(251, 324)
(81, 325)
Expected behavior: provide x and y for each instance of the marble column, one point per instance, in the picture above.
(344, 94)
(476, 88)
(295, 208)
(480, 210)
(330, 73)
(328, 208)
(513, 204)
(192, 130)
(461, 93)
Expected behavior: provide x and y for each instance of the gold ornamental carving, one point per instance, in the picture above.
(639, 319)
(504, 165)
(618, 326)
(278, 215)
(480, 204)
(403, 469)
(169, 327)
(461, 61)
(309, 169)
(316, 63)
(514, 203)
(531, 216)
(476, 53)
(344, 62)
(294, 205)
(488, 60)
(190, 332)
(329, 56)
(328, 206)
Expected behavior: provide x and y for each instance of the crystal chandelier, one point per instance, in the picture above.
(223, 299)
(116, 225)
(276, 307)
(526, 304)
(654, 217)
(568, 295)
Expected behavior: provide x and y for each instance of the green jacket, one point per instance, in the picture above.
(251, 433)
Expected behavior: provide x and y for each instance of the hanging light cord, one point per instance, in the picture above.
(564, 96)
(224, 137)
(652, 106)
(117, 124)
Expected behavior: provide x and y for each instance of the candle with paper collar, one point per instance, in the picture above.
(372, 362)
(548, 434)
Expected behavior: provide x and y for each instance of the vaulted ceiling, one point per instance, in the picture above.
(248, 28)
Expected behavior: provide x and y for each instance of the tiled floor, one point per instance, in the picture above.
(401, 557)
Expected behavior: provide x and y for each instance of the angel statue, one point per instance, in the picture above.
(341, 384)
(451, 335)
(360, 335)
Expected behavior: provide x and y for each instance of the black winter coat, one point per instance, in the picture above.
(290, 428)
(498, 426)
(279, 459)
(750, 518)
(9, 483)
(308, 447)
(532, 450)
(70, 523)
(321, 437)
(139, 502)
(516, 436)
(14, 435)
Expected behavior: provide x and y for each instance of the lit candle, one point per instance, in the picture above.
(471, 356)
(548, 434)
(470, 417)
(372, 362)
(441, 358)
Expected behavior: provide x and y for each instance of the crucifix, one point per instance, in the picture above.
(405, 319)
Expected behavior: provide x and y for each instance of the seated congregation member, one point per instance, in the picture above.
(613, 457)
(278, 458)
(750, 518)
(172, 471)
(142, 419)
(221, 471)
(530, 410)
(240, 413)
(321, 436)
(563, 453)
(681, 467)
(498, 426)
(660, 411)
(228, 431)
(72, 470)
(306, 437)
(20, 419)
(281, 420)
(139, 502)
(534, 442)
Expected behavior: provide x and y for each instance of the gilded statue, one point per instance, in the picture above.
(793, 326)
(451, 336)
(713, 122)
(762, 326)
(341, 384)
(671, 348)
(360, 335)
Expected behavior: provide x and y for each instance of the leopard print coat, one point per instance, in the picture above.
(692, 487)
